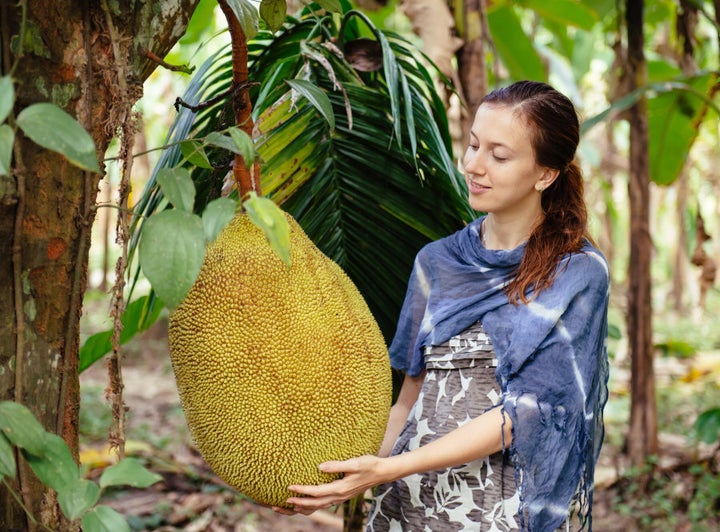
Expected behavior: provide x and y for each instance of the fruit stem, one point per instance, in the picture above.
(247, 177)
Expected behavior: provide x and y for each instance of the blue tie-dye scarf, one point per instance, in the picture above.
(552, 358)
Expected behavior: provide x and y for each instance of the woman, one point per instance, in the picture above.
(498, 423)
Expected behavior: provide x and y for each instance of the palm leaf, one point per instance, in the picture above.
(369, 192)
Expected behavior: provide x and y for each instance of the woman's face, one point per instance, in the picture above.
(500, 166)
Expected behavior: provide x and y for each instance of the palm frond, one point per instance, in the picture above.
(371, 191)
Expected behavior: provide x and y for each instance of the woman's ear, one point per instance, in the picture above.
(547, 178)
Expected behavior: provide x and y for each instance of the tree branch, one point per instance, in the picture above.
(174, 68)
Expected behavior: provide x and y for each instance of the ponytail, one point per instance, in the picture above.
(563, 230)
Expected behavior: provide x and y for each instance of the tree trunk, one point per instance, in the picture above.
(472, 68)
(47, 206)
(642, 438)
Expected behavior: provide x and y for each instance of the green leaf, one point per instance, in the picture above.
(194, 152)
(171, 252)
(333, 6)
(54, 129)
(659, 88)
(7, 138)
(566, 12)
(128, 472)
(238, 142)
(7, 458)
(104, 519)
(244, 144)
(56, 467)
(21, 428)
(267, 216)
(178, 187)
(316, 96)
(247, 15)
(201, 19)
(139, 315)
(707, 426)
(273, 12)
(221, 141)
(78, 497)
(673, 119)
(7, 97)
(514, 46)
(216, 216)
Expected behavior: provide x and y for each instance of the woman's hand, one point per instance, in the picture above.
(360, 474)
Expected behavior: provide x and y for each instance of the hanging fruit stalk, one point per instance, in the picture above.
(247, 176)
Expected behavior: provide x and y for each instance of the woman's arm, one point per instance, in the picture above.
(476, 439)
(409, 392)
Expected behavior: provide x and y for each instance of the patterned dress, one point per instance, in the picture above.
(459, 385)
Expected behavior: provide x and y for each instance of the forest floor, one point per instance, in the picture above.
(678, 490)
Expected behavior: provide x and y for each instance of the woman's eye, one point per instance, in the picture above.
(499, 159)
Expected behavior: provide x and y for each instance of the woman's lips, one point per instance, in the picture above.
(477, 188)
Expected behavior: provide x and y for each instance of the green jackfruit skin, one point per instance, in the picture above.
(278, 368)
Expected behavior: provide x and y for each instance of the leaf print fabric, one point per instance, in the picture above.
(460, 385)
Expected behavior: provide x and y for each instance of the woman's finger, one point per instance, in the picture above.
(321, 490)
(284, 511)
(307, 505)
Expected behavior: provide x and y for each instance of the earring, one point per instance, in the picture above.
(539, 188)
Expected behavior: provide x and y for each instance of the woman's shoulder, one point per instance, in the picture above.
(588, 265)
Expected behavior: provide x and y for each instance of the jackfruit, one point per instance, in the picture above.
(279, 368)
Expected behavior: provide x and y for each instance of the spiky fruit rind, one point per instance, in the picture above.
(279, 368)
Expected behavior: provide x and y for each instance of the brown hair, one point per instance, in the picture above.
(555, 136)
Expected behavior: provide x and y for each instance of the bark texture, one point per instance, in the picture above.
(68, 57)
(642, 438)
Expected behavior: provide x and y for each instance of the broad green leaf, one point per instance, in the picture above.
(247, 14)
(244, 144)
(216, 216)
(128, 472)
(273, 12)
(171, 251)
(7, 97)
(333, 6)
(672, 128)
(178, 187)
(201, 19)
(707, 426)
(316, 96)
(56, 467)
(221, 141)
(21, 427)
(78, 497)
(7, 458)
(567, 12)
(104, 519)
(194, 152)
(514, 46)
(7, 138)
(139, 315)
(237, 142)
(631, 98)
(269, 217)
(54, 129)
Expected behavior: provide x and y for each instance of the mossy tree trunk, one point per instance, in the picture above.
(70, 56)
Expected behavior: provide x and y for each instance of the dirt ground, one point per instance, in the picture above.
(191, 498)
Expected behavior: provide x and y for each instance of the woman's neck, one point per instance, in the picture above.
(507, 234)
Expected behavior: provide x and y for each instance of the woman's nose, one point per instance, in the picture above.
(473, 163)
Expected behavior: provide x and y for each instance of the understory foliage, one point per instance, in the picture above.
(50, 459)
(687, 498)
